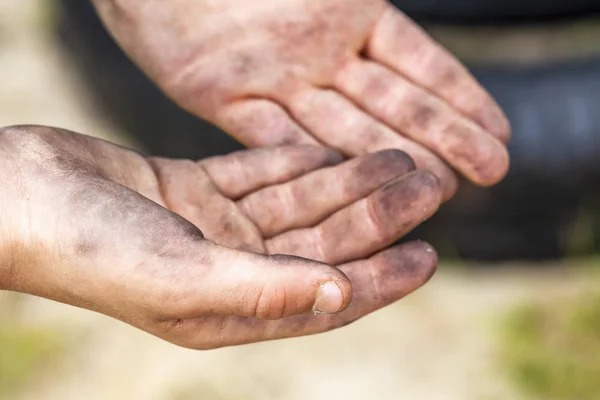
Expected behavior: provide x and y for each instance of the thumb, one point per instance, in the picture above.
(165, 263)
(273, 287)
(267, 287)
(125, 255)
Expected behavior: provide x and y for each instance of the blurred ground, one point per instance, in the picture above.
(37, 85)
(441, 343)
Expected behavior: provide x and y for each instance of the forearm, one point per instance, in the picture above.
(15, 251)
(31, 258)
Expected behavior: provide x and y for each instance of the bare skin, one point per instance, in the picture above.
(354, 75)
(101, 227)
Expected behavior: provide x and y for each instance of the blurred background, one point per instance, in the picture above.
(514, 312)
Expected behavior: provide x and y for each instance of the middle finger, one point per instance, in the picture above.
(305, 201)
(367, 226)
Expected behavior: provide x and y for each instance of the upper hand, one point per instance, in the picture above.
(355, 75)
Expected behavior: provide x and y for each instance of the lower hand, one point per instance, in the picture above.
(98, 226)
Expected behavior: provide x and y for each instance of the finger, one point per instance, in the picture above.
(243, 172)
(308, 200)
(257, 286)
(338, 123)
(368, 225)
(403, 46)
(202, 204)
(377, 282)
(424, 118)
(262, 123)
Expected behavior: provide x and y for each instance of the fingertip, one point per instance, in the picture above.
(432, 185)
(333, 292)
(372, 170)
(449, 187)
(432, 192)
(412, 263)
(424, 256)
(396, 160)
(419, 186)
(497, 123)
(330, 299)
(331, 156)
(494, 168)
(399, 157)
(391, 275)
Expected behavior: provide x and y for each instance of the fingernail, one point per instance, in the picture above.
(329, 300)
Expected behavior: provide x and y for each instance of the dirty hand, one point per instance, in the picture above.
(98, 226)
(354, 75)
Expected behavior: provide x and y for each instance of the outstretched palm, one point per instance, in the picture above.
(355, 75)
(268, 201)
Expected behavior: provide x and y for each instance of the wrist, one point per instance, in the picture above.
(21, 238)
(10, 240)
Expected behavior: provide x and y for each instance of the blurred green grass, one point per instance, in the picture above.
(25, 350)
(552, 351)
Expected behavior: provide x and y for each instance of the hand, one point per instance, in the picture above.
(86, 223)
(354, 75)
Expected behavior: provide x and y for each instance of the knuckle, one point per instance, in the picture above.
(286, 195)
(460, 144)
(391, 103)
(449, 73)
(409, 109)
(247, 206)
(378, 231)
(436, 62)
(270, 303)
(422, 115)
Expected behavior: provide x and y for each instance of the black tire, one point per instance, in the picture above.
(495, 11)
(127, 96)
(555, 165)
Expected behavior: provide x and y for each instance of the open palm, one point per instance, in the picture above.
(188, 251)
(355, 75)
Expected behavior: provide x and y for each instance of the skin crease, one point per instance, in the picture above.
(354, 75)
(94, 225)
